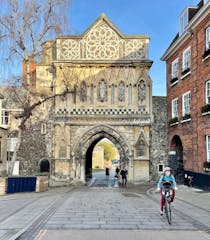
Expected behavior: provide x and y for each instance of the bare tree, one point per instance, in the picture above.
(25, 25)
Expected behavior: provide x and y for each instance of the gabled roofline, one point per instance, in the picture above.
(202, 13)
(110, 23)
(107, 20)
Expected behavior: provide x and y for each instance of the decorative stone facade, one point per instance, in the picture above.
(105, 75)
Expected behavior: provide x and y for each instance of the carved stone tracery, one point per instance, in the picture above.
(102, 42)
(141, 91)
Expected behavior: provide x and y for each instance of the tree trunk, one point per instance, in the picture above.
(14, 156)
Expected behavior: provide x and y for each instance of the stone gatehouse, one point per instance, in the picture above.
(109, 96)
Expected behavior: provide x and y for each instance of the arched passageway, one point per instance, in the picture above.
(89, 141)
(102, 157)
(176, 158)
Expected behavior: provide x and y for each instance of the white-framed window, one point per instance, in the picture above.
(208, 38)
(174, 108)
(205, 1)
(186, 59)
(186, 98)
(208, 92)
(208, 148)
(5, 117)
(183, 20)
(174, 68)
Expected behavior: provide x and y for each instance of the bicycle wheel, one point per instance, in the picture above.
(168, 211)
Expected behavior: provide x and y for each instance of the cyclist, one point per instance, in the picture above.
(166, 177)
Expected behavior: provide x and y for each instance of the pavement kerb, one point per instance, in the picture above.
(22, 231)
(19, 233)
(22, 195)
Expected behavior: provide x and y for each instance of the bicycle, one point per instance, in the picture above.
(167, 193)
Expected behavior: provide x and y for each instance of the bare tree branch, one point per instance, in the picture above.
(24, 26)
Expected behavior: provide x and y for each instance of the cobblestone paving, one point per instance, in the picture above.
(111, 208)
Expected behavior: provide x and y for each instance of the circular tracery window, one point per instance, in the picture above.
(102, 43)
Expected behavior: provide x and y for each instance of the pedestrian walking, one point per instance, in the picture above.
(124, 173)
(117, 172)
(107, 171)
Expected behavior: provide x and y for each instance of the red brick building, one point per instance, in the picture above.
(188, 91)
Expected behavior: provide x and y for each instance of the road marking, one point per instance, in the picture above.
(41, 234)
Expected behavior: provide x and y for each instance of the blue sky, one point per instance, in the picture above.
(157, 18)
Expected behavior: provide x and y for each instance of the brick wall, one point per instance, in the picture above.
(192, 133)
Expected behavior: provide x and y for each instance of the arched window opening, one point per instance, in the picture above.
(83, 92)
(113, 94)
(44, 166)
(121, 95)
(141, 148)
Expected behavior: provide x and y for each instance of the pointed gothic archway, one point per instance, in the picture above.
(83, 158)
(176, 158)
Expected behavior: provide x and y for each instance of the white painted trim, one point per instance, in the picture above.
(184, 76)
(207, 57)
(174, 83)
(201, 14)
(172, 153)
(186, 120)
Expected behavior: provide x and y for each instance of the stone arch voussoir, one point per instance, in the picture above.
(100, 132)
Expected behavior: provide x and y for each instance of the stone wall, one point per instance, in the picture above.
(33, 149)
(159, 144)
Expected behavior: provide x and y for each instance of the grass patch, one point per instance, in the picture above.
(98, 170)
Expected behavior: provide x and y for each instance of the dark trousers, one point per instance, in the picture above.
(124, 181)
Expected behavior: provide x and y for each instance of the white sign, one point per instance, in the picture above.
(172, 153)
(16, 168)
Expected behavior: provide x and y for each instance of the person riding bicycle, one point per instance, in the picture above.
(166, 177)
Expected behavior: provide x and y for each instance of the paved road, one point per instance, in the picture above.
(93, 213)
(99, 179)
(101, 212)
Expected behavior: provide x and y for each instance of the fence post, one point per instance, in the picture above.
(42, 183)
(3, 185)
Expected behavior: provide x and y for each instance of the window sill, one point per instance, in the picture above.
(141, 158)
(185, 75)
(205, 113)
(174, 83)
(5, 126)
(207, 57)
(173, 124)
(186, 120)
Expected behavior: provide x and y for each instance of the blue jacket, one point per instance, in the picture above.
(166, 178)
